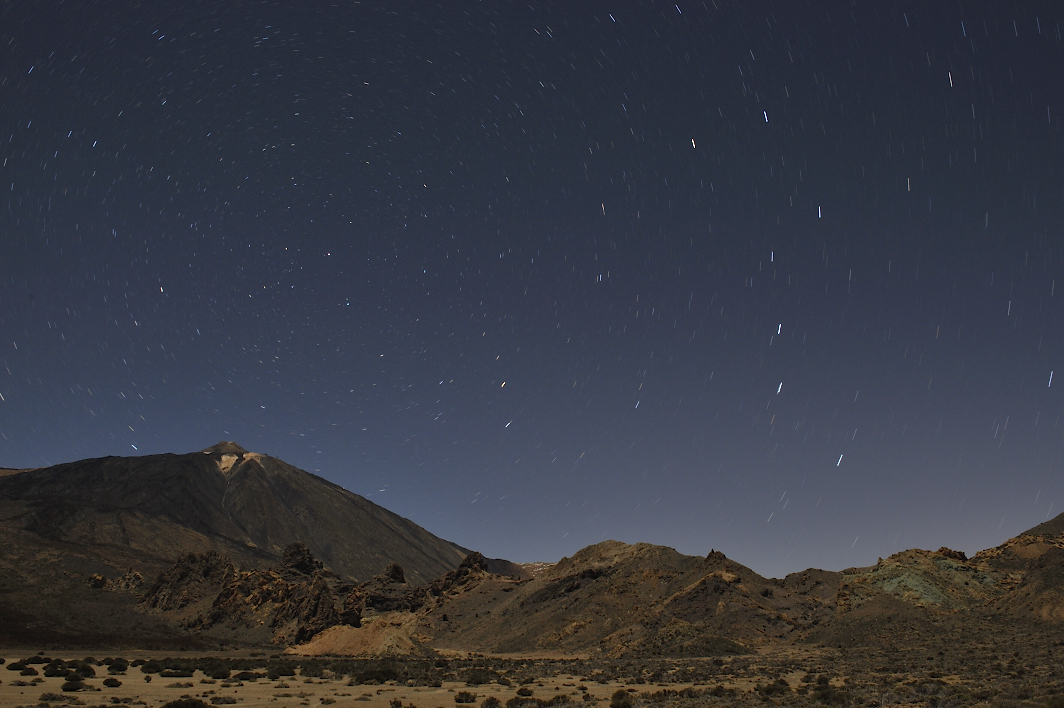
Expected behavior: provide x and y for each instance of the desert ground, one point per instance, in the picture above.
(102, 604)
(1009, 670)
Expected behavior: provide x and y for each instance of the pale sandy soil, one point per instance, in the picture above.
(294, 691)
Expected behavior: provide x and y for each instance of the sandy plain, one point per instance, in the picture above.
(540, 677)
(294, 691)
(1018, 669)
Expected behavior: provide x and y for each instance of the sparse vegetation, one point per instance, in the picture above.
(479, 675)
(868, 676)
(773, 689)
(248, 676)
(153, 666)
(373, 676)
(186, 703)
(826, 693)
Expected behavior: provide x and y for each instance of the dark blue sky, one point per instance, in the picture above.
(778, 280)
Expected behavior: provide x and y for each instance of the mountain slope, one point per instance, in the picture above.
(79, 540)
(918, 592)
(225, 499)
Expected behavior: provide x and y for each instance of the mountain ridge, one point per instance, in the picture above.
(227, 546)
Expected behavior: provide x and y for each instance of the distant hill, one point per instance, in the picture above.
(620, 600)
(634, 600)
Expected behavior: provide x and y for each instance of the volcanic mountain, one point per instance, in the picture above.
(123, 520)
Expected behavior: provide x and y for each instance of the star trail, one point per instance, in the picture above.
(778, 280)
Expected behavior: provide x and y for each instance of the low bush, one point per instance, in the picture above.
(773, 689)
(186, 703)
(374, 676)
(465, 697)
(475, 677)
(153, 666)
(826, 693)
(528, 702)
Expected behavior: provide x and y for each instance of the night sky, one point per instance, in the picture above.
(776, 279)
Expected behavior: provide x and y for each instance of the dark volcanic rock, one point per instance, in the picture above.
(395, 573)
(950, 553)
(290, 604)
(473, 567)
(390, 592)
(298, 557)
(190, 579)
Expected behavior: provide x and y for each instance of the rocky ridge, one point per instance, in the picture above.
(208, 595)
(620, 600)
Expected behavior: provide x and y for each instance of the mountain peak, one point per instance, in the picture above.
(225, 447)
